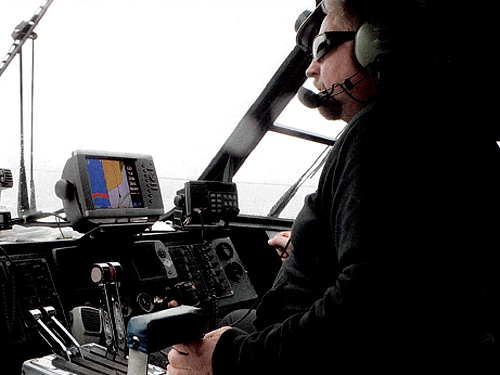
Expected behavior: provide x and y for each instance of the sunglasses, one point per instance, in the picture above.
(325, 43)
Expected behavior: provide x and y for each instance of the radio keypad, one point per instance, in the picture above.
(220, 202)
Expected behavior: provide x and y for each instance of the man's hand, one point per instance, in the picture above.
(281, 243)
(194, 358)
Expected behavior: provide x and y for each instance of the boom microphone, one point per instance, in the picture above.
(309, 98)
(313, 100)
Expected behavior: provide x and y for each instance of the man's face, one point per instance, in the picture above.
(334, 68)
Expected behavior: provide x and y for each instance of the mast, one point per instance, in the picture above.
(21, 33)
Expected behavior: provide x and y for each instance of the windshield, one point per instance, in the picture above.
(161, 77)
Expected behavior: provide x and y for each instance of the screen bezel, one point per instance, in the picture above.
(81, 211)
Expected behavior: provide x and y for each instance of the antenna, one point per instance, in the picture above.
(32, 175)
(23, 32)
(22, 196)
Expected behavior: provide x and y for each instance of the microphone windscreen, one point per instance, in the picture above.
(309, 98)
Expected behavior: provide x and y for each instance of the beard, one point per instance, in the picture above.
(331, 109)
(329, 106)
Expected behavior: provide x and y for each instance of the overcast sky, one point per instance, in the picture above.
(162, 77)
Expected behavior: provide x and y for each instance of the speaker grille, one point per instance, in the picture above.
(91, 319)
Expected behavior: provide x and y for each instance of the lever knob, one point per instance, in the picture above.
(101, 273)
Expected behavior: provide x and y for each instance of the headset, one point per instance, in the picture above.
(374, 43)
(380, 46)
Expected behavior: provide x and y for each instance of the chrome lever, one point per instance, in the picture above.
(107, 275)
(55, 343)
(49, 313)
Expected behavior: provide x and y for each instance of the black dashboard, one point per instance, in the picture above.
(125, 258)
(217, 270)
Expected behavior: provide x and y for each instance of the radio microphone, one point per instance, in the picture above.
(313, 100)
(309, 98)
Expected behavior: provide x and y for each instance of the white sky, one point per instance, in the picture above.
(162, 77)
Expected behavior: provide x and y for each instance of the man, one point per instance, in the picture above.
(394, 265)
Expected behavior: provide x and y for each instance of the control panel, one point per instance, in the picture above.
(148, 273)
(215, 270)
(25, 284)
(150, 180)
(208, 274)
(160, 274)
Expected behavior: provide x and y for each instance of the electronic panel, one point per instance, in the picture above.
(156, 274)
(25, 284)
(208, 274)
(105, 188)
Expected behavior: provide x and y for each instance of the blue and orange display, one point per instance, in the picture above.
(113, 184)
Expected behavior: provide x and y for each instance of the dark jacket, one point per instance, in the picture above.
(395, 263)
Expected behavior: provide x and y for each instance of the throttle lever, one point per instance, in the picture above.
(107, 275)
(49, 314)
(121, 330)
(57, 346)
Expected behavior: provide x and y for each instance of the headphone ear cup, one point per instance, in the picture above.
(371, 43)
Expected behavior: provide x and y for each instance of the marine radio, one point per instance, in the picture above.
(107, 188)
(204, 204)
